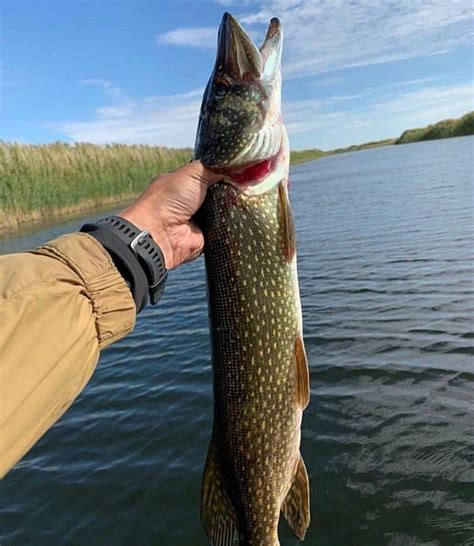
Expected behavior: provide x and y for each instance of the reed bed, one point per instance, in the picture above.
(56, 180)
(300, 156)
(43, 181)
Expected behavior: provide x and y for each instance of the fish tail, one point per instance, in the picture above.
(295, 507)
(217, 511)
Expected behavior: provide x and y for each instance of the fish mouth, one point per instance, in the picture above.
(270, 50)
(239, 57)
(250, 174)
(260, 176)
(239, 62)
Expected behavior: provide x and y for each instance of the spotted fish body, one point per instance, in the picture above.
(254, 470)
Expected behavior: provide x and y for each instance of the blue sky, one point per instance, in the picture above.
(133, 71)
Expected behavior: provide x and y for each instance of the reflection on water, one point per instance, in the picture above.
(385, 261)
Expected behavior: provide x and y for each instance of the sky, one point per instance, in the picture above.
(134, 71)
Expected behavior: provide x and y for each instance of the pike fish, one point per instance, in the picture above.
(254, 470)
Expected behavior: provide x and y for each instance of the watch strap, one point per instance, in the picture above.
(145, 248)
(125, 260)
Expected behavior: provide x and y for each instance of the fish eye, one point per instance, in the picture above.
(221, 88)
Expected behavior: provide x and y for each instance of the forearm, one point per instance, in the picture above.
(59, 306)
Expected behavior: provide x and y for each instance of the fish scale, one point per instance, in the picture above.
(254, 470)
(254, 324)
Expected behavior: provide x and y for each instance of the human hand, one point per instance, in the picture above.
(165, 210)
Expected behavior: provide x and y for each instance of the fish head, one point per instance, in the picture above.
(240, 129)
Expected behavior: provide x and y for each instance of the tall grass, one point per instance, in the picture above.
(299, 156)
(43, 180)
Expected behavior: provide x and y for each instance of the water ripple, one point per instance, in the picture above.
(385, 262)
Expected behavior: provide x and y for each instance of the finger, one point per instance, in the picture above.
(198, 171)
(196, 242)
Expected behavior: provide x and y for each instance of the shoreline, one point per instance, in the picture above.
(17, 223)
(12, 226)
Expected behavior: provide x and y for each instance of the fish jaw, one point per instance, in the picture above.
(236, 52)
(240, 122)
(262, 177)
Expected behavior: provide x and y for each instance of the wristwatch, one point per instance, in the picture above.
(142, 245)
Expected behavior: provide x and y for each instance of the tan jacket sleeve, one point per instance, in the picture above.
(59, 305)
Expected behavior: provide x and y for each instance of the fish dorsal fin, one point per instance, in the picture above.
(302, 373)
(295, 507)
(217, 512)
(287, 225)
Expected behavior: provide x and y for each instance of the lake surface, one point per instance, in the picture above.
(386, 277)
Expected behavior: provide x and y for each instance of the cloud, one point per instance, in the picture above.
(240, 3)
(440, 97)
(165, 120)
(203, 37)
(416, 81)
(109, 89)
(328, 81)
(326, 124)
(326, 35)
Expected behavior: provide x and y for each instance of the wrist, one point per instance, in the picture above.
(151, 222)
(123, 239)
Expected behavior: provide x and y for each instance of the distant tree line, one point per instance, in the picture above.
(447, 128)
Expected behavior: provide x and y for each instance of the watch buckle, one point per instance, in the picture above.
(136, 240)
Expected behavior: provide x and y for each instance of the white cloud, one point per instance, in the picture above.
(314, 124)
(322, 123)
(116, 111)
(240, 3)
(166, 120)
(205, 37)
(109, 89)
(430, 97)
(328, 81)
(416, 81)
(329, 35)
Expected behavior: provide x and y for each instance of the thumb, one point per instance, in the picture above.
(198, 171)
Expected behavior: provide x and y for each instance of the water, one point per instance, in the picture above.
(385, 260)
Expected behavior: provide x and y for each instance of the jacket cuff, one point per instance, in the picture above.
(111, 299)
(124, 260)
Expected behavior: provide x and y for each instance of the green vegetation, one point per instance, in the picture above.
(42, 181)
(56, 180)
(364, 146)
(447, 128)
(299, 156)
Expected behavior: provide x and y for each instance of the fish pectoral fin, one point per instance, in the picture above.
(287, 224)
(295, 507)
(217, 512)
(302, 371)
